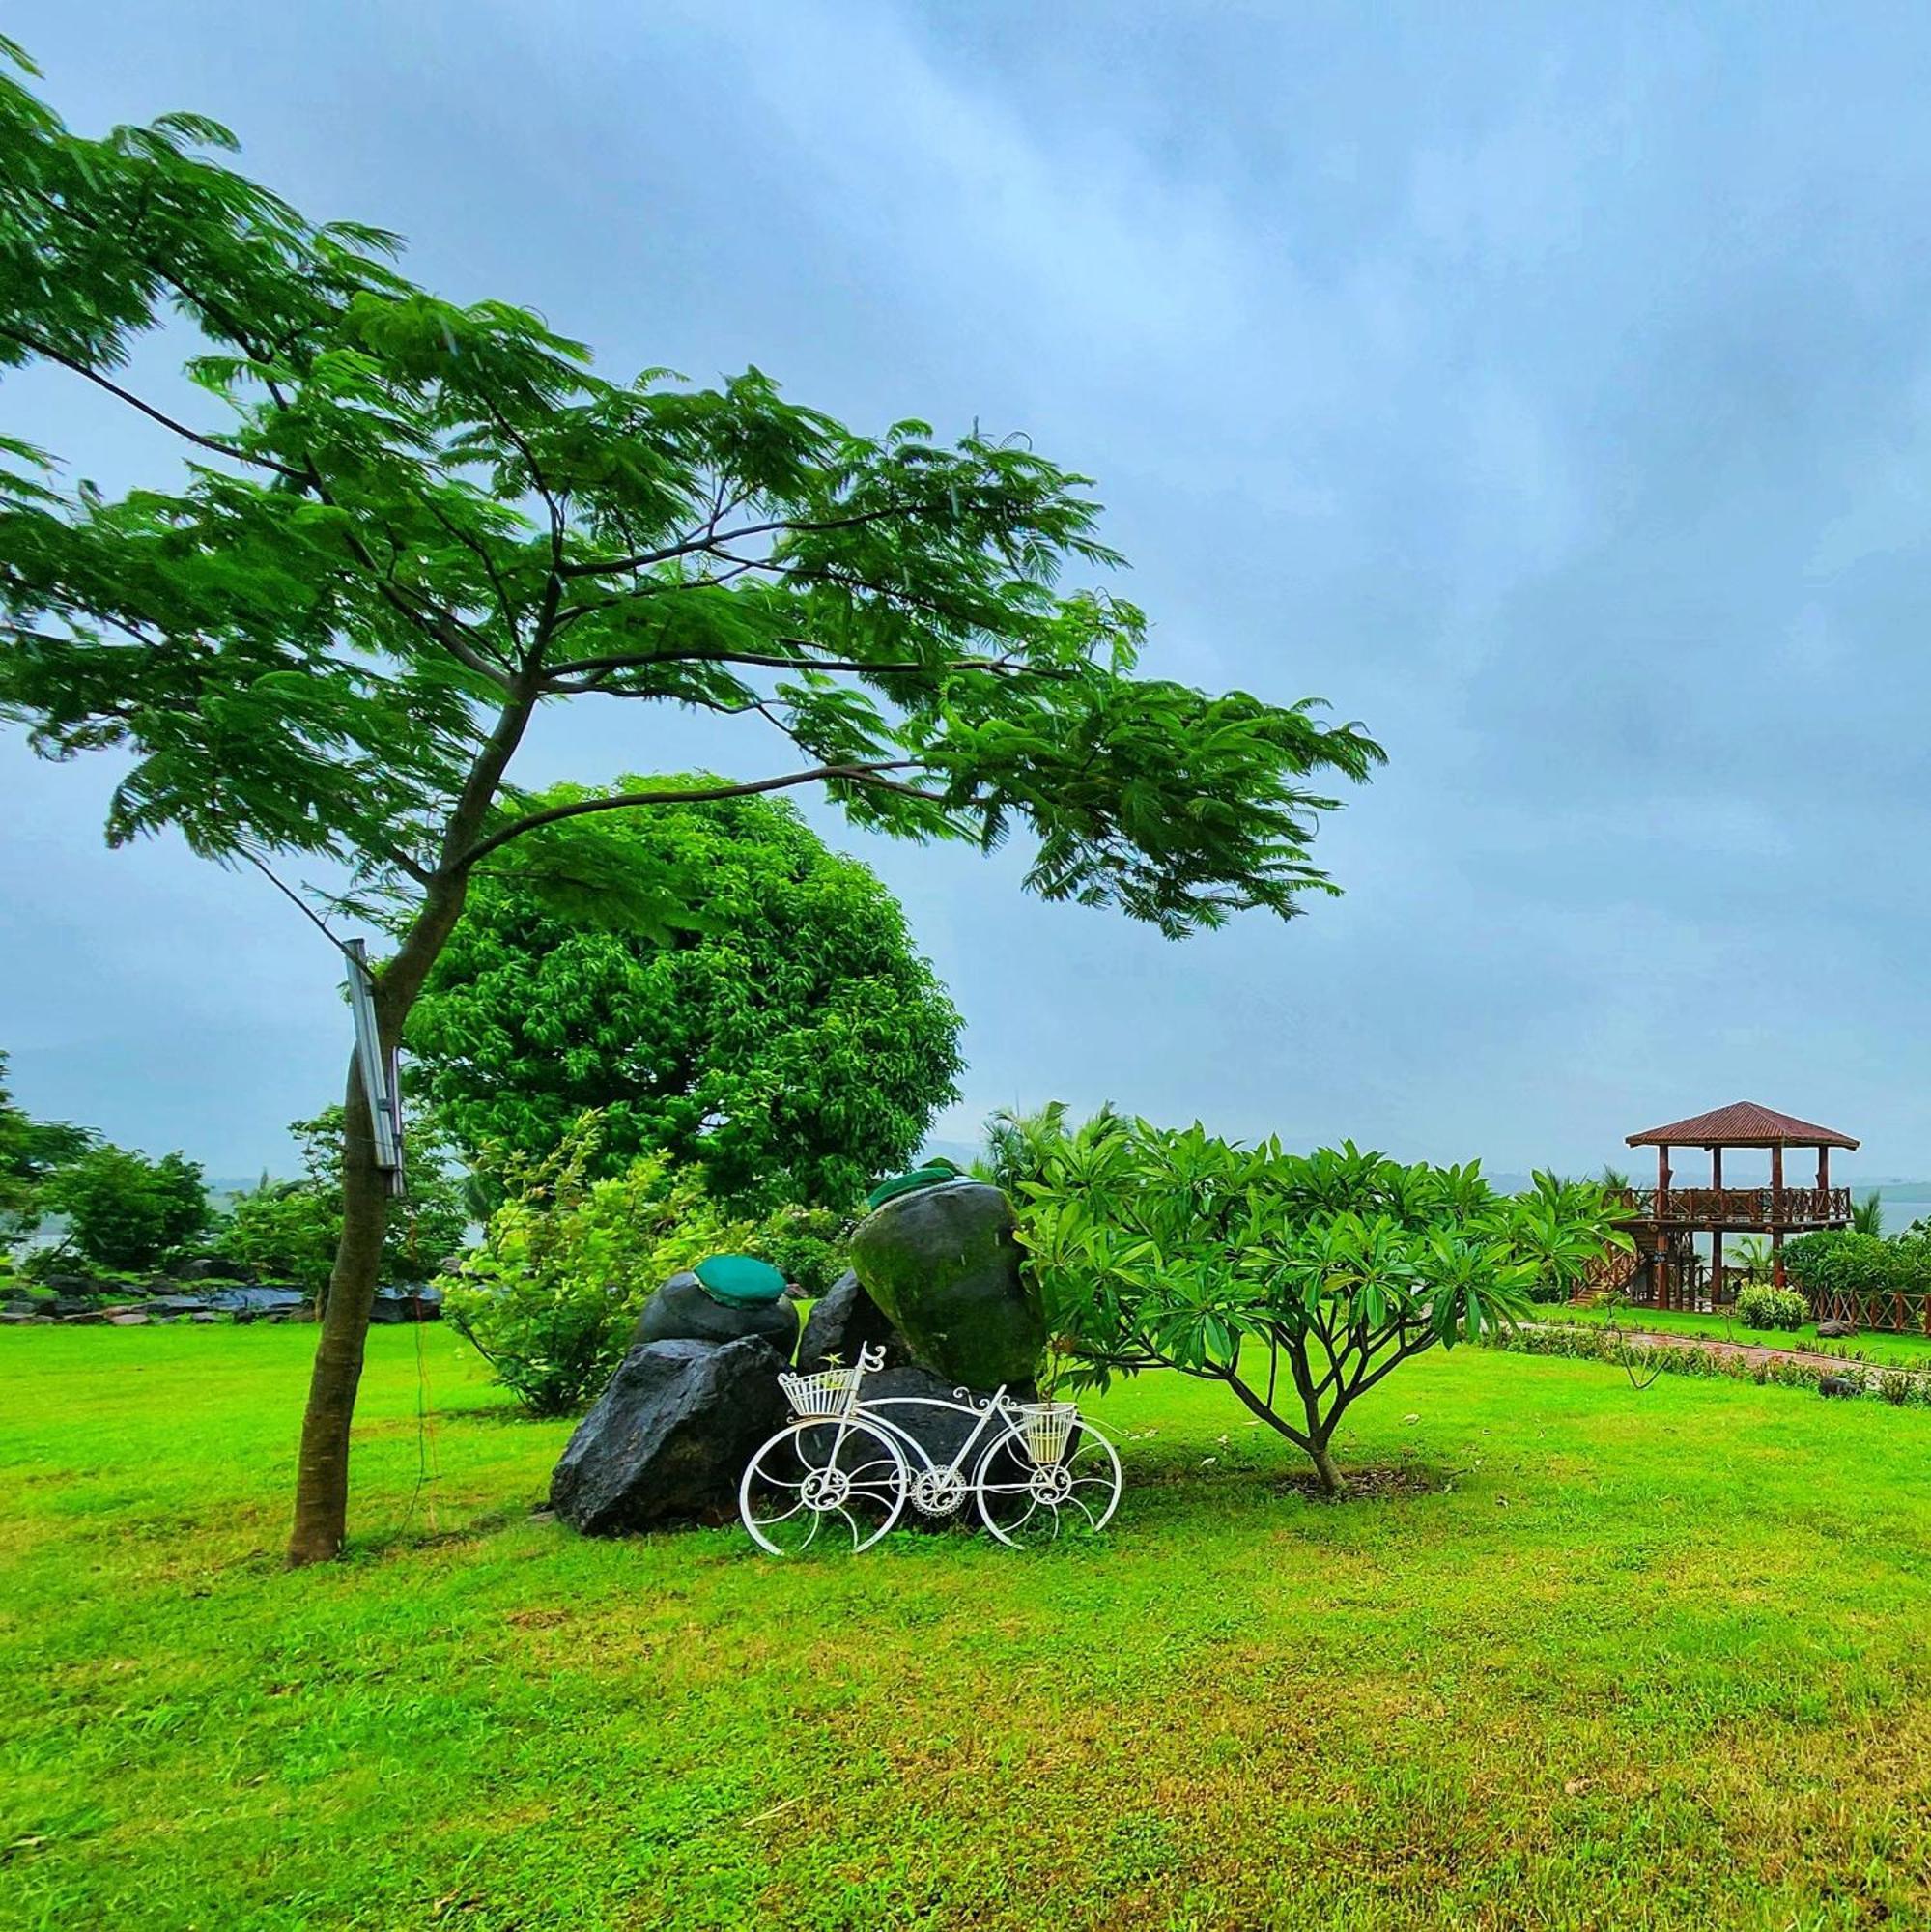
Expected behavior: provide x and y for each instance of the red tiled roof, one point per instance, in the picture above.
(1741, 1123)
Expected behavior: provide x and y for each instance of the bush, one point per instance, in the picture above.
(568, 1262)
(287, 1231)
(125, 1211)
(1759, 1306)
(1297, 1281)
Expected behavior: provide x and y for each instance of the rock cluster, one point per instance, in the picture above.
(668, 1440)
(205, 1290)
(935, 1282)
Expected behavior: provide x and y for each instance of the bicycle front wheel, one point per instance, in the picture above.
(1025, 1501)
(823, 1484)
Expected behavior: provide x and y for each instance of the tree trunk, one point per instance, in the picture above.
(1326, 1468)
(322, 1469)
(322, 1472)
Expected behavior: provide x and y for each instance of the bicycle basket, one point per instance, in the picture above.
(1047, 1427)
(825, 1393)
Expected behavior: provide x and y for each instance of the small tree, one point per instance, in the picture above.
(408, 525)
(790, 1041)
(290, 1229)
(1298, 1282)
(126, 1211)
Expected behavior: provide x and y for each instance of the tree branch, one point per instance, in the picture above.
(867, 775)
(710, 540)
(148, 410)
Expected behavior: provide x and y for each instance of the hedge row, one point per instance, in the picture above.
(1587, 1342)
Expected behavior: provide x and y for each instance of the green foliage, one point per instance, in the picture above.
(30, 1151)
(1155, 1248)
(287, 1231)
(1867, 1214)
(794, 1045)
(1841, 1260)
(409, 521)
(1761, 1306)
(1017, 1146)
(125, 1211)
(569, 1260)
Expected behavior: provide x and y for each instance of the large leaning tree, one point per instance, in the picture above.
(401, 527)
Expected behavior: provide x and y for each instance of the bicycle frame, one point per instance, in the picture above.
(993, 1408)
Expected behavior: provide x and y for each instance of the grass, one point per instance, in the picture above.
(1872, 1345)
(1601, 1660)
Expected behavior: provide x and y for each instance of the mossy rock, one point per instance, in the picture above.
(944, 1267)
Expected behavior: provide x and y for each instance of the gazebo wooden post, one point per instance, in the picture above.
(1660, 1295)
(1824, 1174)
(1716, 1232)
(1777, 1215)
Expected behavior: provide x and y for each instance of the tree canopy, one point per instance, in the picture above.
(790, 1041)
(401, 526)
(1299, 1281)
(125, 1211)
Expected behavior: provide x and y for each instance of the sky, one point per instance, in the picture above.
(1546, 388)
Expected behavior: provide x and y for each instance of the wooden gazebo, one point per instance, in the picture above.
(1669, 1216)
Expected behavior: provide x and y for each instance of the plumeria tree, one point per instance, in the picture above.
(402, 526)
(1298, 1282)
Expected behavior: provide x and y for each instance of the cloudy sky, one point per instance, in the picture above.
(1549, 388)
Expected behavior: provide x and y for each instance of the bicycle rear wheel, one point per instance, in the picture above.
(1024, 1501)
(823, 1484)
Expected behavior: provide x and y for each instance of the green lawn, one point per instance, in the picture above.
(1604, 1658)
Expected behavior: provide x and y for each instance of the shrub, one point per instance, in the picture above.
(568, 1262)
(1300, 1282)
(288, 1231)
(1759, 1306)
(125, 1211)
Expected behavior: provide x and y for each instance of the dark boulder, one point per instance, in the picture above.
(684, 1310)
(176, 1304)
(668, 1440)
(1840, 1385)
(1836, 1331)
(406, 1304)
(247, 1303)
(943, 1265)
(73, 1286)
(214, 1268)
(846, 1321)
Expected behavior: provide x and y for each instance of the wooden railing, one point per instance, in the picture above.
(1745, 1207)
(1885, 1308)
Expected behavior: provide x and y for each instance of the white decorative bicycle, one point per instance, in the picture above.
(1038, 1470)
